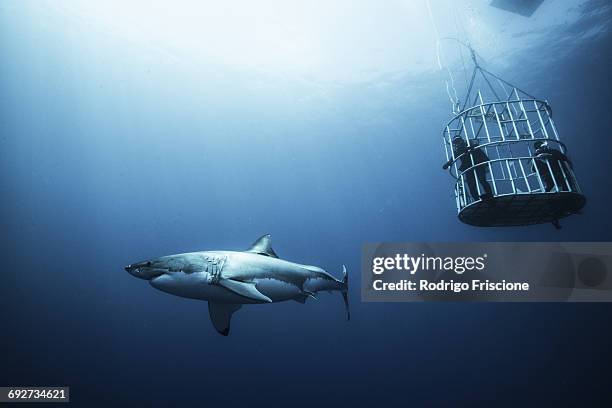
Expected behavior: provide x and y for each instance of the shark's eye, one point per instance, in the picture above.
(149, 263)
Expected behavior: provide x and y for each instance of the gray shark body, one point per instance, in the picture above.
(229, 279)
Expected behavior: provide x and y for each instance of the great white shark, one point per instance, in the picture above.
(230, 279)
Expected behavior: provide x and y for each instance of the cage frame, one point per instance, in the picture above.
(520, 120)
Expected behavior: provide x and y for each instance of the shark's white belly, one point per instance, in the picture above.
(278, 290)
(195, 286)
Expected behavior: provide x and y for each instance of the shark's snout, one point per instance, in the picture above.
(143, 270)
(133, 269)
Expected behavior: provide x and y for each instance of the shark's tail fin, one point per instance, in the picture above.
(344, 292)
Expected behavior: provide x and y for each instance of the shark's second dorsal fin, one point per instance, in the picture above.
(263, 246)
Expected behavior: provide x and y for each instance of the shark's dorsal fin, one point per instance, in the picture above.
(263, 246)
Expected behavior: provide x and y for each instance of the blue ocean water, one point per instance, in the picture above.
(111, 153)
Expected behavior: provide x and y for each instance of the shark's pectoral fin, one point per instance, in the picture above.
(246, 289)
(221, 315)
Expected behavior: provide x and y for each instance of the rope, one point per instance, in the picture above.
(508, 83)
(467, 96)
(463, 33)
(488, 83)
(484, 73)
(451, 90)
(452, 96)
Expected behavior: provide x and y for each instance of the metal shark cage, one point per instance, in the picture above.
(527, 185)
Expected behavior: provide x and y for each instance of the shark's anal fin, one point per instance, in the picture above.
(263, 246)
(221, 315)
(246, 289)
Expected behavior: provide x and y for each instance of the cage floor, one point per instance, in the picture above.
(522, 209)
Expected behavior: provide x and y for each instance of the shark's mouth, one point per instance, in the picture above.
(146, 273)
(155, 275)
